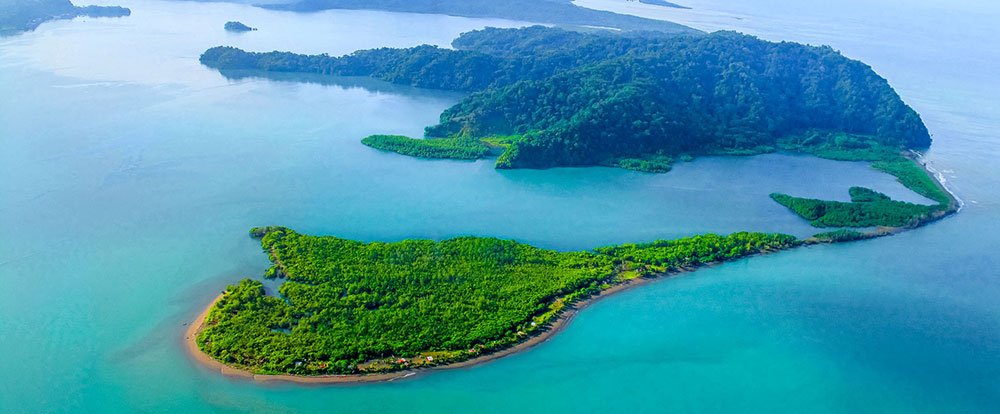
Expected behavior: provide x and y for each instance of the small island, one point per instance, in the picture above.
(238, 27)
(351, 311)
(18, 16)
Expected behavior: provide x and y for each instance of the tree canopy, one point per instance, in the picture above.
(354, 307)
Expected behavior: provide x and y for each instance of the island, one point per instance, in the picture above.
(238, 27)
(18, 16)
(557, 98)
(352, 311)
(348, 307)
(555, 12)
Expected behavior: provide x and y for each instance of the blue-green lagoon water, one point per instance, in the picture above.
(131, 175)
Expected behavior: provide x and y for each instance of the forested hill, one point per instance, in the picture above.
(563, 98)
(23, 15)
(557, 12)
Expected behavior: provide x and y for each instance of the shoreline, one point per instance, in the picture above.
(938, 178)
(553, 328)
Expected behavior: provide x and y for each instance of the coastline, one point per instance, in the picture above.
(938, 179)
(553, 328)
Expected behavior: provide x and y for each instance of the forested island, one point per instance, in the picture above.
(348, 307)
(18, 16)
(544, 97)
(237, 27)
(556, 12)
(553, 97)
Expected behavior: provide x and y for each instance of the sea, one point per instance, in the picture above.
(130, 175)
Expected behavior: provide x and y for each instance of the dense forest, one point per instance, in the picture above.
(556, 12)
(24, 15)
(354, 307)
(576, 99)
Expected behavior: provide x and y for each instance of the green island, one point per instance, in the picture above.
(237, 27)
(18, 16)
(545, 97)
(635, 100)
(349, 307)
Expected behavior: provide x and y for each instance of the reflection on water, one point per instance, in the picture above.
(368, 84)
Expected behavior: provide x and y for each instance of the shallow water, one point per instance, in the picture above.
(131, 175)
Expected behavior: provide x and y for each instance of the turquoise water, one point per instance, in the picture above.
(131, 175)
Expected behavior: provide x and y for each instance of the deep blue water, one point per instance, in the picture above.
(131, 175)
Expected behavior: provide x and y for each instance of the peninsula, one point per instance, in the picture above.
(350, 307)
(554, 98)
(351, 311)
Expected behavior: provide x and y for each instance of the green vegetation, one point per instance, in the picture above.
(915, 178)
(649, 163)
(237, 27)
(839, 146)
(25, 15)
(354, 307)
(673, 255)
(578, 99)
(868, 208)
(455, 148)
(557, 12)
(842, 235)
